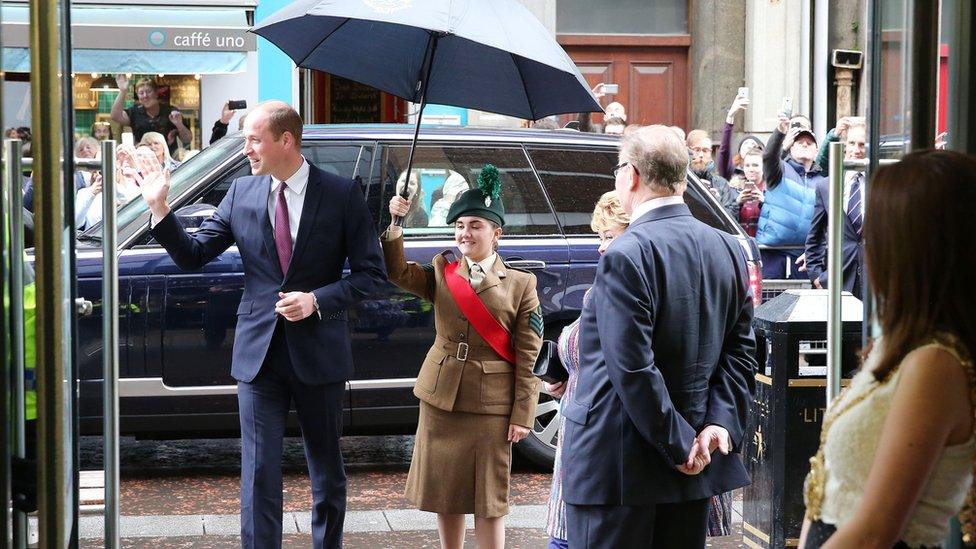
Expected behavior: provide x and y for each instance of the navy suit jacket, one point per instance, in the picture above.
(816, 247)
(335, 227)
(666, 348)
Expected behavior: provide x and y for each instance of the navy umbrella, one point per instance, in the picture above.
(490, 55)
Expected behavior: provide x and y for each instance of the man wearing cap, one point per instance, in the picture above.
(787, 207)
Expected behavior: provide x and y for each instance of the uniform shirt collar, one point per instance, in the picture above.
(654, 204)
(296, 182)
(486, 263)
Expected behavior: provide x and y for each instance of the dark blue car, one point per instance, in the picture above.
(177, 328)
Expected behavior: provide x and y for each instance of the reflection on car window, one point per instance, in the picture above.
(189, 174)
(441, 173)
(575, 180)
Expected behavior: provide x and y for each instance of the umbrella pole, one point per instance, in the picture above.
(429, 58)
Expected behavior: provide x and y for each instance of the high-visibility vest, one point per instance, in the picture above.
(30, 352)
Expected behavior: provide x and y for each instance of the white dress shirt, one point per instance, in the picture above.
(294, 198)
(654, 204)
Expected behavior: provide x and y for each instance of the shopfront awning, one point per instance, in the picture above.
(139, 62)
(167, 39)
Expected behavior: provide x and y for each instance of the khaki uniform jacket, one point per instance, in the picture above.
(461, 372)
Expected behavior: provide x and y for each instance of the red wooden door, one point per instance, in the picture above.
(652, 73)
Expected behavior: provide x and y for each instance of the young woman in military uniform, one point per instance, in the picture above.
(477, 392)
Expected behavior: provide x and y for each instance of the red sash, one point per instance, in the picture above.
(478, 314)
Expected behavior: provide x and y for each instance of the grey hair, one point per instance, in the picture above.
(85, 141)
(660, 157)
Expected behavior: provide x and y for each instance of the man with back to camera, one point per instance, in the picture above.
(295, 225)
(667, 367)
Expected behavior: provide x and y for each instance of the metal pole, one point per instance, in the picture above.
(835, 269)
(70, 275)
(110, 346)
(422, 85)
(53, 499)
(924, 73)
(874, 68)
(12, 183)
(6, 479)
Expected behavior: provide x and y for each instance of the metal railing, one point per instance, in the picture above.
(12, 173)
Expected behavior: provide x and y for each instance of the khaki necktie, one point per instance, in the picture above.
(477, 275)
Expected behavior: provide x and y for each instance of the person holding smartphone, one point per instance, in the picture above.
(726, 163)
(226, 114)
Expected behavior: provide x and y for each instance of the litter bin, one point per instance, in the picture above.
(791, 343)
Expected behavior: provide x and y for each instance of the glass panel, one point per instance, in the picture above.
(622, 16)
(894, 125)
(447, 171)
(574, 180)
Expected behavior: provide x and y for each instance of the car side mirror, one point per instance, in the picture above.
(192, 216)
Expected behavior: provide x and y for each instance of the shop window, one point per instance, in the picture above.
(622, 16)
(446, 171)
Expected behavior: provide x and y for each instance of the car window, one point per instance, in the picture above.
(575, 179)
(447, 171)
(335, 159)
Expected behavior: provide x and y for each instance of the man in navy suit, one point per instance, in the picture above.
(667, 366)
(852, 249)
(295, 226)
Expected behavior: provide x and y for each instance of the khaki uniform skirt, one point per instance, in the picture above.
(461, 463)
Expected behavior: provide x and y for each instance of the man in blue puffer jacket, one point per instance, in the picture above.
(789, 200)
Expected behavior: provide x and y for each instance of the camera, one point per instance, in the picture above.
(847, 59)
(236, 105)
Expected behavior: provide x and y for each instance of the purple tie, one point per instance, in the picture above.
(282, 231)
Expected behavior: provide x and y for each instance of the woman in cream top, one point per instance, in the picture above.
(897, 447)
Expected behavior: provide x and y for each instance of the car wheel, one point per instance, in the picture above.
(540, 446)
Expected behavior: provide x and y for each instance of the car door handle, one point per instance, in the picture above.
(526, 264)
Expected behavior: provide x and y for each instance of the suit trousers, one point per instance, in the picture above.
(661, 526)
(264, 405)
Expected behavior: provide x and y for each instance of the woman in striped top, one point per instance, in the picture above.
(609, 221)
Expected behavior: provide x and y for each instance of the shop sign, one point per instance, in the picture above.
(82, 96)
(143, 38)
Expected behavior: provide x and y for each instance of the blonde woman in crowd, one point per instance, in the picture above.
(157, 143)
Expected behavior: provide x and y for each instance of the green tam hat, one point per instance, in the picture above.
(483, 201)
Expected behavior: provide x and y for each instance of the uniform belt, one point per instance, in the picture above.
(463, 350)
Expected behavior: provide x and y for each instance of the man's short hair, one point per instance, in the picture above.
(283, 118)
(696, 136)
(858, 123)
(661, 159)
(545, 124)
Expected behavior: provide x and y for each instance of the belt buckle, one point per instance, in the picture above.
(462, 351)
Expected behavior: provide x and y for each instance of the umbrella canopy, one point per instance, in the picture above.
(490, 55)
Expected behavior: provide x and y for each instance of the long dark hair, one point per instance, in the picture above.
(918, 225)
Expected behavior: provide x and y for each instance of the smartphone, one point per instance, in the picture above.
(610, 89)
(128, 139)
(788, 107)
(237, 104)
(744, 92)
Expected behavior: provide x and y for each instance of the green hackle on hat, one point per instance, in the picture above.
(483, 201)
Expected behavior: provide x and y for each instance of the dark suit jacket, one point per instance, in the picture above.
(816, 246)
(666, 348)
(335, 227)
